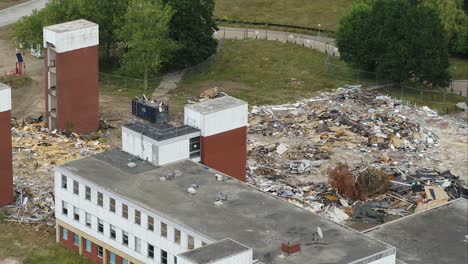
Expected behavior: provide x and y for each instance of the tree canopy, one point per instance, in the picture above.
(397, 39)
(145, 32)
(191, 25)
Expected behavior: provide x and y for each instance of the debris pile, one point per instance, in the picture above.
(206, 95)
(349, 154)
(36, 151)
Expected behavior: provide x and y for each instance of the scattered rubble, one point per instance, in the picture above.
(36, 151)
(206, 95)
(349, 155)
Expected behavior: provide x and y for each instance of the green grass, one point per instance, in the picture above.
(459, 68)
(16, 81)
(308, 13)
(29, 246)
(258, 71)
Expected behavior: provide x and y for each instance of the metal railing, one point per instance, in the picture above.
(165, 131)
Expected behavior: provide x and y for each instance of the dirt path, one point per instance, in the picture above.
(168, 83)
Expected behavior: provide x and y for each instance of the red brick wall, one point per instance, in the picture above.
(118, 259)
(93, 254)
(226, 152)
(77, 90)
(68, 242)
(6, 163)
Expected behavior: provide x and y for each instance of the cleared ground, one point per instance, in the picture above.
(262, 72)
(308, 13)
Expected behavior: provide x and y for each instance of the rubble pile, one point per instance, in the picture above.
(36, 151)
(294, 148)
(206, 95)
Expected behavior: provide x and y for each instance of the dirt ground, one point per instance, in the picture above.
(29, 100)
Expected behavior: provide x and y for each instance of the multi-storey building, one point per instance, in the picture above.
(155, 204)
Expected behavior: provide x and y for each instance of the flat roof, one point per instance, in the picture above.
(251, 217)
(4, 86)
(71, 26)
(214, 251)
(160, 132)
(432, 236)
(216, 104)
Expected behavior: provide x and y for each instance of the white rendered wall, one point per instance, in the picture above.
(217, 122)
(386, 260)
(5, 98)
(69, 40)
(120, 223)
(174, 152)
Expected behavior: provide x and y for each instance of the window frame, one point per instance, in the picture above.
(64, 182)
(137, 217)
(76, 187)
(164, 257)
(150, 223)
(76, 213)
(88, 246)
(137, 245)
(88, 193)
(100, 226)
(150, 251)
(101, 250)
(124, 211)
(112, 204)
(88, 217)
(64, 208)
(125, 238)
(112, 232)
(64, 233)
(177, 236)
(190, 242)
(100, 199)
(163, 231)
(76, 239)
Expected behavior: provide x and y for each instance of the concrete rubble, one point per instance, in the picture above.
(36, 151)
(292, 148)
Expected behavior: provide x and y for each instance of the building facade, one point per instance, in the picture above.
(71, 76)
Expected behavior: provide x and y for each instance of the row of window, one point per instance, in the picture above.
(124, 213)
(125, 235)
(88, 247)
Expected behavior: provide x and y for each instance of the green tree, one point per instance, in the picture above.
(193, 26)
(398, 39)
(145, 32)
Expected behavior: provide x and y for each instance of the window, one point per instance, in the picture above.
(125, 238)
(100, 226)
(112, 205)
(76, 213)
(137, 217)
(191, 242)
(88, 193)
(150, 251)
(137, 245)
(76, 239)
(125, 211)
(100, 199)
(88, 246)
(100, 251)
(76, 187)
(64, 208)
(177, 236)
(163, 257)
(64, 233)
(112, 258)
(175, 260)
(112, 232)
(150, 223)
(163, 229)
(203, 244)
(64, 182)
(88, 220)
(124, 261)
(194, 147)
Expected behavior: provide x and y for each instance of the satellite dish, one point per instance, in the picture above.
(319, 232)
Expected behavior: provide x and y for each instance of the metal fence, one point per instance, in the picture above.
(441, 98)
(122, 82)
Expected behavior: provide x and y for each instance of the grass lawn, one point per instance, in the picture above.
(29, 246)
(308, 13)
(459, 68)
(260, 72)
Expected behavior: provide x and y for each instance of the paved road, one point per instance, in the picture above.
(322, 44)
(12, 14)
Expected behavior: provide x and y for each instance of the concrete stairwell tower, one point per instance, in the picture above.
(71, 76)
(6, 158)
